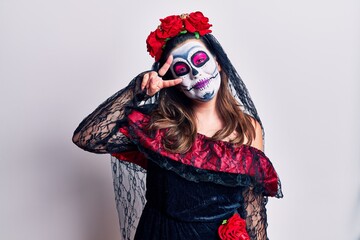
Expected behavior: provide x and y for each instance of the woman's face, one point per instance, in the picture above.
(199, 71)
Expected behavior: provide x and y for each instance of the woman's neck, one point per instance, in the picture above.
(208, 120)
(205, 109)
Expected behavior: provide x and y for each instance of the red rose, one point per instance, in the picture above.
(154, 45)
(197, 22)
(170, 27)
(174, 25)
(233, 229)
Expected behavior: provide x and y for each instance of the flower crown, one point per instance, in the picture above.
(174, 25)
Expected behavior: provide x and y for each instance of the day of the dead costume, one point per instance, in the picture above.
(217, 190)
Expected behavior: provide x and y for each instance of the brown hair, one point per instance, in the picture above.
(175, 113)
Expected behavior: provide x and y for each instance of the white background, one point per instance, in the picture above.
(59, 59)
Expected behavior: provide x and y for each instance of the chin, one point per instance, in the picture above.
(207, 96)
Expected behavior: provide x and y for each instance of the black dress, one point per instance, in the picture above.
(188, 196)
(180, 209)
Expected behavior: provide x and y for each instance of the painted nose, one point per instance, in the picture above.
(194, 72)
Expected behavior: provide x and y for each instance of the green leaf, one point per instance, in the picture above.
(183, 32)
(224, 222)
(197, 35)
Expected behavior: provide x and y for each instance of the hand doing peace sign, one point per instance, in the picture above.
(153, 82)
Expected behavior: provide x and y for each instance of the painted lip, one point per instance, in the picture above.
(202, 83)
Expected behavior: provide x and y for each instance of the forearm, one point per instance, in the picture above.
(98, 131)
(256, 218)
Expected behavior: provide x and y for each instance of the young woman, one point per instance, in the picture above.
(191, 124)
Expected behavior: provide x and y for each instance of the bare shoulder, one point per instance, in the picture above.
(258, 140)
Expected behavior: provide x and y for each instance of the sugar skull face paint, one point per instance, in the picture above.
(198, 69)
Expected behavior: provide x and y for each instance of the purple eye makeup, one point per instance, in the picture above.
(181, 68)
(199, 58)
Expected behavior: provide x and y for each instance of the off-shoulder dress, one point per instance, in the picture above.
(188, 196)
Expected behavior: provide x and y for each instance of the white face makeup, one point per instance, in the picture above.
(198, 69)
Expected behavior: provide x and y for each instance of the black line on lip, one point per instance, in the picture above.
(195, 83)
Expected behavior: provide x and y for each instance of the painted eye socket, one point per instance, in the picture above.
(181, 68)
(199, 58)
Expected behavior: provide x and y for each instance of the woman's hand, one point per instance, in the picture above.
(153, 82)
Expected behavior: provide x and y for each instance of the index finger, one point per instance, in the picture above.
(171, 83)
(162, 71)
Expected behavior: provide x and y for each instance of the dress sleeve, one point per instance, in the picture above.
(98, 132)
(255, 214)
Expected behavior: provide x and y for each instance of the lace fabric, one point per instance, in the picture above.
(98, 132)
(129, 187)
(105, 131)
